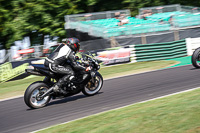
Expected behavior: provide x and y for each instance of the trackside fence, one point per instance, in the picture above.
(158, 51)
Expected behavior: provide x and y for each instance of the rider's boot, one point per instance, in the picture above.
(57, 87)
(71, 86)
(71, 81)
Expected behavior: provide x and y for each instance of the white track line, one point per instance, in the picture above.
(1, 100)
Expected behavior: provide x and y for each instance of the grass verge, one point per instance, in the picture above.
(173, 114)
(16, 88)
(133, 68)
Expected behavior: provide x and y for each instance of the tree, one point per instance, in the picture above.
(20, 18)
(6, 26)
(37, 18)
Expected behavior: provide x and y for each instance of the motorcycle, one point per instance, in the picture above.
(39, 93)
(196, 58)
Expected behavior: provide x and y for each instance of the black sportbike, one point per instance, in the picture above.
(39, 93)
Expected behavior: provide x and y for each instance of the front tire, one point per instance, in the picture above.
(31, 96)
(196, 58)
(90, 91)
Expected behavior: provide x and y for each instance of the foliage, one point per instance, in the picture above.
(37, 18)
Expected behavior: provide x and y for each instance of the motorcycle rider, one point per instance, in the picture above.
(62, 54)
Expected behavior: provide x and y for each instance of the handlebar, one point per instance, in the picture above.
(88, 60)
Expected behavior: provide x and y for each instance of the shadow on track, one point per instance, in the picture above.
(70, 99)
(65, 99)
(195, 69)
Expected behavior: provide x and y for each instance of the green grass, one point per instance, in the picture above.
(131, 68)
(174, 114)
(18, 87)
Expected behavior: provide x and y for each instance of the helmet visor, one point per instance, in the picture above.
(77, 46)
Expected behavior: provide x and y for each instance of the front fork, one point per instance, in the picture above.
(93, 75)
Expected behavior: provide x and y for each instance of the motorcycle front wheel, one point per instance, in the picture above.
(31, 96)
(196, 58)
(90, 88)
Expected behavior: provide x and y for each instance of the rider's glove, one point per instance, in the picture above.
(88, 69)
(77, 58)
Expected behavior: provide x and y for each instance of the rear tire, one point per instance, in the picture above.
(33, 91)
(196, 58)
(94, 90)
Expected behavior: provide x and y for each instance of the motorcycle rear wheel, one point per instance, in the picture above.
(196, 58)
(31, 96)
(90, 91)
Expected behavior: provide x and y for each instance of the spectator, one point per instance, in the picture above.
(122, 18)
(146, 13)
(171, 20)
(161, 21)
(117, 15)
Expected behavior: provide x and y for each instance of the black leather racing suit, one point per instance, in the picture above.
(61, 55)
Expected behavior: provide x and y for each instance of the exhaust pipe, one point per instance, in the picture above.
(33, 72)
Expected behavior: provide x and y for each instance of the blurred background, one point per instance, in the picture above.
(33, 28)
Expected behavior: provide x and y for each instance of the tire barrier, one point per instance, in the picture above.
(158, 51)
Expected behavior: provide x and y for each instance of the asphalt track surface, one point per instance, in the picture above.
(16, 117)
